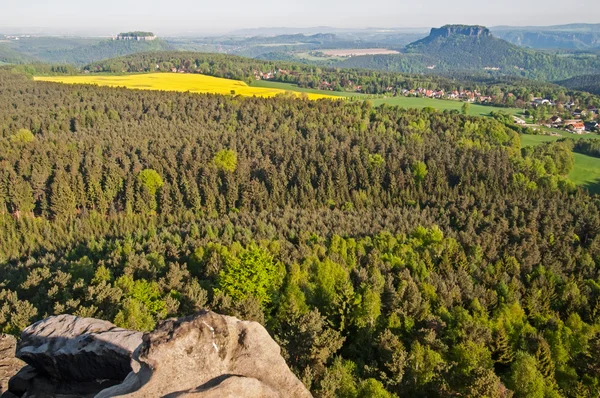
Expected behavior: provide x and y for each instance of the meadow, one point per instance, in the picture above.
(405, 102)
(586, 169)
(193, 83)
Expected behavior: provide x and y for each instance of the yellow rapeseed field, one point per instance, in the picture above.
(193, 83)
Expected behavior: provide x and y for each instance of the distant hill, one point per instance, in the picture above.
(454, 48)
(589, 83)
(569, 37)
(10, 56)
(74, 51)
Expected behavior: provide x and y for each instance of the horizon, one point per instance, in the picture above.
(308, 30)
(202, 17)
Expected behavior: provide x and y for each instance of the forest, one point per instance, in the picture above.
(390, 252)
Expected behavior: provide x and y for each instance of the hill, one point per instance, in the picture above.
(75, 51)
(568, 37)
(473, 48)
(589, 83)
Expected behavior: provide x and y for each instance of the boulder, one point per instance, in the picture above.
(209, 355)
(73, 349)
(9, 365)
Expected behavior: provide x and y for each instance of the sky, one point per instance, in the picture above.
(177, 16)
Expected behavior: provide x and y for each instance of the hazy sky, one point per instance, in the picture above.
(167, 16)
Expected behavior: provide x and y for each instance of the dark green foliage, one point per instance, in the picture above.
(388, 251)
(589, 83)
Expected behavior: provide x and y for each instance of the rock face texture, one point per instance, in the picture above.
(68, 356)
(209, 355)
(203, 355)
(465, 30)
(70, 348)
(9, 365)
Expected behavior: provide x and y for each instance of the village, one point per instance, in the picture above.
(564, 116)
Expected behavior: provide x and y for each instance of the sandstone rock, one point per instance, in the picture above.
(9, 365)
(70, 348)
(209, 355)
(30, 383)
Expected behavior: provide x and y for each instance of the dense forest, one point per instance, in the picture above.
(590, 83)
(390, 252)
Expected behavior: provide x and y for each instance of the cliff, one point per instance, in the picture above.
(465, 30)
(203, 355)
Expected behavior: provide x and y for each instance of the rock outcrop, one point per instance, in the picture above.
(9, 365)
(70, 348)
(204, 355)
(68, 356)
(465, 30)
(209, 355)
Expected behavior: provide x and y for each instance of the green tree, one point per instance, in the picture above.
(226, 160)
(373, 389)
(466, 107)
(23, 136)
(525, 379)
(253, 273)
(150, 180)
(419, 170)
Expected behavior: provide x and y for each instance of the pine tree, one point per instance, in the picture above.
(503, 352)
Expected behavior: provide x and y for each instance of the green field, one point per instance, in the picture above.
(415, 102)
(586, 170)
(529, 140)
(405, 102)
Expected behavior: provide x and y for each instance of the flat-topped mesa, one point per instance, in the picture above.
(137, 36)
(465, 30)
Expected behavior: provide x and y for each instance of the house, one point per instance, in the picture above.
(591, 126)
(540, 101)
(576, 127)
(556, 120)
(577, 113)
(518, 120)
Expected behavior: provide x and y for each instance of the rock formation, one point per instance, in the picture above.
(70, 348)
(465, 30)
(9, 365)
(204, 355)
(209, 355)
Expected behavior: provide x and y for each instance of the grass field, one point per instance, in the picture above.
(183, 82)
(406, 102)
(586, 170)
(415, 102)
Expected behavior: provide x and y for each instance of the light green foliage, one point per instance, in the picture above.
(374, 389)
(226, 160)
(339, 380)
(23, 136)
(424, 364)
(376, 160)
(151, 180)
(254, 272)
(142, 305)
(419, 170)
(135, 315)
(525, 379)
(466, 107)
